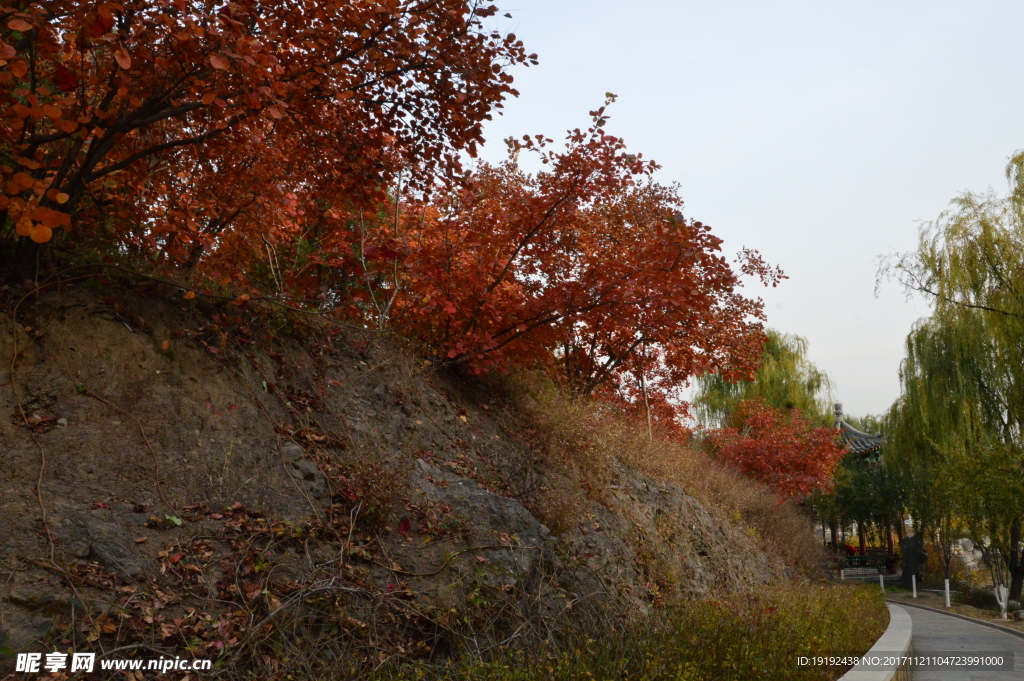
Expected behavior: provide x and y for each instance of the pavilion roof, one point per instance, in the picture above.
(857, 441)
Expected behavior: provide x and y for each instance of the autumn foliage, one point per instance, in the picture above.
(312, 152)
(587, 269)
(174, 126)
(780, 448)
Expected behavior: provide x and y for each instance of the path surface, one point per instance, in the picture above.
(939, 633)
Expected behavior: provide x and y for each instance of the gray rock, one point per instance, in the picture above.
(305, 472)
(292, 451)
(1018, 616)
(36, 597)
(489, 512)
(22, 630)
(109, 543)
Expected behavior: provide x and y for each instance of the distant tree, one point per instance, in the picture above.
(785, 380)
(774, 425)
(865, 492)
(783, 449)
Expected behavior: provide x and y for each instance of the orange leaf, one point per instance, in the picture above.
(50, 218)
(62, 197)
(165, 345)
(123, 60)
(189, 295)
(41, 234)
(219, 62)
(19, 68)
(52, 111)
(19, 25)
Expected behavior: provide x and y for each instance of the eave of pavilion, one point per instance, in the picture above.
(859, 443)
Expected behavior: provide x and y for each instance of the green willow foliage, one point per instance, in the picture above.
(786, 380)
(955, 432)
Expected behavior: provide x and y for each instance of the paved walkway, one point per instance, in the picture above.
(933, 632)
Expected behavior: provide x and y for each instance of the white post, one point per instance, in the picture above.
(947, 593)
(881, 581)
(913, 584)
(842, 575)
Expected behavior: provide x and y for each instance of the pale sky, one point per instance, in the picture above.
(820, 133)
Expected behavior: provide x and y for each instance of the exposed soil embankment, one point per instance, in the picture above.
(211, 479)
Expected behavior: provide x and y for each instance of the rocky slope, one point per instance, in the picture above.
(209, 476)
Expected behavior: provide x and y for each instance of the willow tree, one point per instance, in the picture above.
(785, 380)
(932, 426)
(956, 429)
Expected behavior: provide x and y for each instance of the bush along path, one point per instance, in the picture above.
(748, 636)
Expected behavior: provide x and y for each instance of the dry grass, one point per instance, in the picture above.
(736, 638)
(587, 439)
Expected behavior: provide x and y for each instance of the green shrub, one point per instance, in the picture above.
(984, 599)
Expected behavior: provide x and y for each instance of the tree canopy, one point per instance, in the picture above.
(172, 127)
(587, 268)
(776, 425)
(312, 152)
(785, 380)
(955, 432)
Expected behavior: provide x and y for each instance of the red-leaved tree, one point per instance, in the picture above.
(587, 268)
(781, 449)
(175, 128)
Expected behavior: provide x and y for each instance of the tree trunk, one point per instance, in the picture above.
(1014, 562)
(833, 527)
(22, 256)
(890, 545)
(647, 406)
(862, 536)
(643, 387)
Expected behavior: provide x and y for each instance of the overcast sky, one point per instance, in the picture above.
(820, 133)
